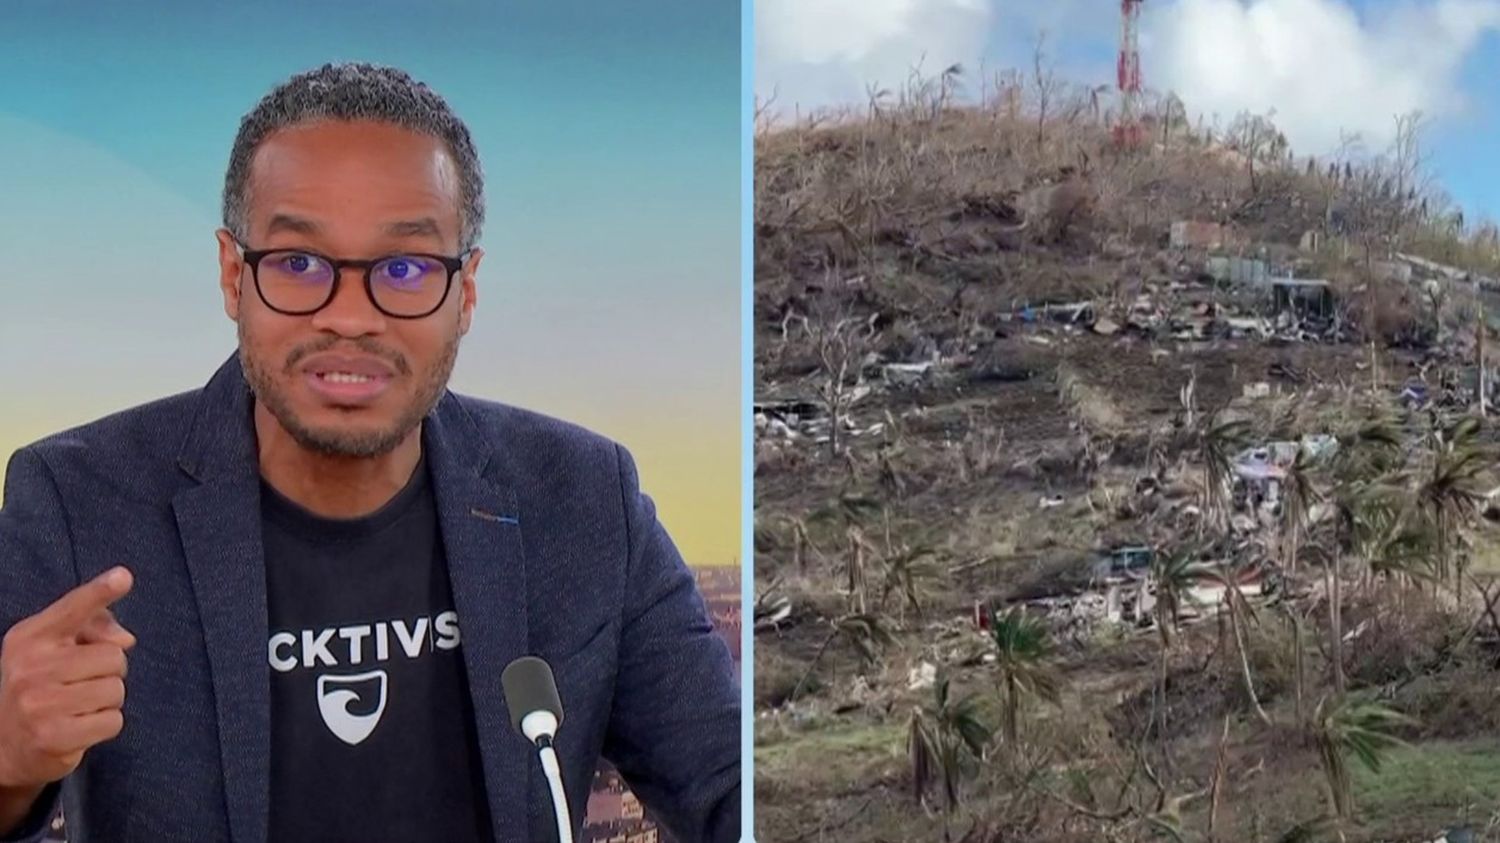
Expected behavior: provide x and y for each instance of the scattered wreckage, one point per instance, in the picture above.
(1121, 591)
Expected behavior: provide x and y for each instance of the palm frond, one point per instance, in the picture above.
(921, 753)
(1462, 432)
(867, 634)
(962, 719)
(1349, 726)
(1018, 638)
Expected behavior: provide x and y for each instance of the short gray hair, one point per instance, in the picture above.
(355, 91)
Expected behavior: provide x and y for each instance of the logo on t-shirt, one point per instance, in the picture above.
(351, 704)
(335, 702)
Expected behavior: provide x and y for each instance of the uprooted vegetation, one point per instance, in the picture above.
(1116, 494)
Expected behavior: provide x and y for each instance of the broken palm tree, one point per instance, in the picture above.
(1239, 612)
(945, 740)
(1452, 490)
(1219, 442)
(1022, 654)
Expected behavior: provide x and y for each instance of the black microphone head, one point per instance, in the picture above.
(529, 687)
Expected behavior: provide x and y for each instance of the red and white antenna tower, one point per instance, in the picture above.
(1128, 129)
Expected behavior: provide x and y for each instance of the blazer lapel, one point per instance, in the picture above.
(219, 522)
(481, 530)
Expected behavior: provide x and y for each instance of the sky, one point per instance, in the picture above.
(610, 138)
(1324, 66)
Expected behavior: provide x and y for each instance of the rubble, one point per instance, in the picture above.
(1296, 310)
(785, 420)
(1252, 327)
(1260, 471)
(1234, 270)
(1193, 234)
(795, 418)
(1306, 297)
(1435, 270)
(1129, 599)
(1068, 313)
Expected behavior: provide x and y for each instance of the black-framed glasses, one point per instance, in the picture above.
(299, 282)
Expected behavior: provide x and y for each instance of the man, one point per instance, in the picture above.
(278, 608)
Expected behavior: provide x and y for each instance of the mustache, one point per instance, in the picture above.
(364, 345)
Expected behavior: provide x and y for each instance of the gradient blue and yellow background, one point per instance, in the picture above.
(610, 136)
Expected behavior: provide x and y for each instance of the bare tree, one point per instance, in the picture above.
(1256, 138)
(1044, 77)
(765, 118)
(1173, 114)
(1369, 215)
(1331, 183)
(949, 84)
(840, 340)
(1409, 163)
(1384, 196)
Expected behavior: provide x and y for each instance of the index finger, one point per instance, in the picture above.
(69, 613)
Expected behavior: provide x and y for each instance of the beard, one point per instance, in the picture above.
(334, 441)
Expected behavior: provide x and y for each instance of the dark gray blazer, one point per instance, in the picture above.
(552, 549)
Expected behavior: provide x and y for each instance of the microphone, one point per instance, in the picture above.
(536, 712)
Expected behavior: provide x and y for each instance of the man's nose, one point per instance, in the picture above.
(350, 313)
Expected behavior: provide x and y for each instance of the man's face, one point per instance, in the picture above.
(349, 380)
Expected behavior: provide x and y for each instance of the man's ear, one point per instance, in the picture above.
(468, 290)
(231, 270)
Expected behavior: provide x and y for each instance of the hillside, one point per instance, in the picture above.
(1086, 476)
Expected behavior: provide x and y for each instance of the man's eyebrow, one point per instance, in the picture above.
(426, 226)
(296, 225)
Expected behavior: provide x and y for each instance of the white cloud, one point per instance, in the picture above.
(815, 53)
(1321, 65)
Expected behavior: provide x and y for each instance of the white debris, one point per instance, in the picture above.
(771, 615)
(772, 427)
(922, 676)
(906, 374)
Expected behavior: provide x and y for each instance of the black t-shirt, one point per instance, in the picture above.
(372, 727)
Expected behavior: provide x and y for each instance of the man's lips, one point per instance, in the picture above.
(346, 380)
(340, 365)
